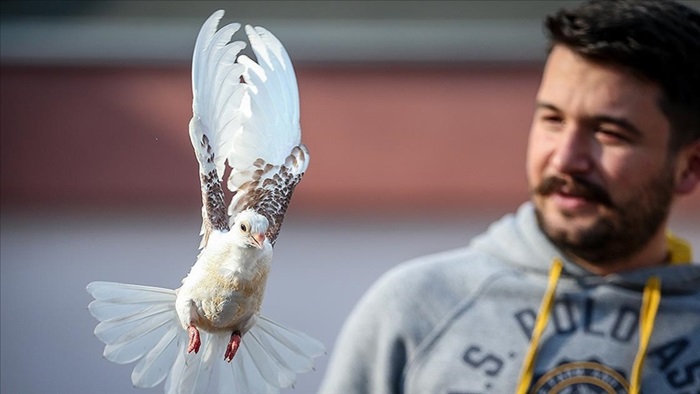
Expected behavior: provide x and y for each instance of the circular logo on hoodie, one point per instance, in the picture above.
(581, 377)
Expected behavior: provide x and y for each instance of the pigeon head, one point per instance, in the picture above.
(249, 228)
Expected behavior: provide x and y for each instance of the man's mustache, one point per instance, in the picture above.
(574, 186)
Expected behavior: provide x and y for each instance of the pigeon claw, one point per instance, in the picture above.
(195, 342)
(233, 345)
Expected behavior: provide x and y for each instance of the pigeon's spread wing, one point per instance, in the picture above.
(217, 98)
(246, 117)
(271, 139)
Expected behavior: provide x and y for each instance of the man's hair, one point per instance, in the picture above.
(655, 40)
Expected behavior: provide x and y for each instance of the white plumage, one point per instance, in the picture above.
(246, 118)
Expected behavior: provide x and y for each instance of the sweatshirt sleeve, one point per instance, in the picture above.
(370, 352)
(386, 329)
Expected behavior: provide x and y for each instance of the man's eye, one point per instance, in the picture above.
(553, 121)
(611, 137)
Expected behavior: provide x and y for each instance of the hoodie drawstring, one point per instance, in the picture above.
(540, 324)
(650, 305)
(679, 250)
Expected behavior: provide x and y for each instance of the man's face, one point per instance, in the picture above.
(597, 163)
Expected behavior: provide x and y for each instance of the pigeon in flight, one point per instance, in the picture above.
(208, 335)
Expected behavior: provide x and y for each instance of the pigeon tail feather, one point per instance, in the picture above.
(139, 324)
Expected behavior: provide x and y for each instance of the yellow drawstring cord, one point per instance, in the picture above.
(680, 253)
(679, 250)
(540, 324)
(650, 305)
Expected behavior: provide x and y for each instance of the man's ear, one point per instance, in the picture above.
(688, 168)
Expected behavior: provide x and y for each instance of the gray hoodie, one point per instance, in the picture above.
(461, 322)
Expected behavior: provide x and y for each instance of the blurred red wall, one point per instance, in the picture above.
(382, 137)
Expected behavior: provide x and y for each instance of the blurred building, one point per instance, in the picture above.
(405, 105)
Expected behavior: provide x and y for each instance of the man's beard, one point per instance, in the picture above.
(625, 228)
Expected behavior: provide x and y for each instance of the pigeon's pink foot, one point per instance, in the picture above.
(232, 347)
(195, 342)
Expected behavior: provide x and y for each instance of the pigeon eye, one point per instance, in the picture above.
(244, 227)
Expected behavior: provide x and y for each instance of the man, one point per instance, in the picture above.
(583, 289)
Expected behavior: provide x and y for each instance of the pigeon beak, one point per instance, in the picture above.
(259, 239)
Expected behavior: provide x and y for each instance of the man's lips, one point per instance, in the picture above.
(573, 193)
(570, 201)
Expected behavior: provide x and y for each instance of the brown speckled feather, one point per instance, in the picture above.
(268, 189)
(214, 214)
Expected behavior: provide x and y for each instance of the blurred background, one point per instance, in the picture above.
(416, 114)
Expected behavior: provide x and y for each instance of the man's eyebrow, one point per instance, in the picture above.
(543, 105)
(620, 122)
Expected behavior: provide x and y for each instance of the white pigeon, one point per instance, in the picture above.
(208, 335)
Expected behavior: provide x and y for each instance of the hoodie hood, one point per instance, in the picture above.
(518, 240)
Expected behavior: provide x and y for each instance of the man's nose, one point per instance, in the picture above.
(572, 151)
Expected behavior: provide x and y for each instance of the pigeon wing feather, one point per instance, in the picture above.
(268, 158)
(216, 105)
